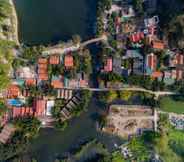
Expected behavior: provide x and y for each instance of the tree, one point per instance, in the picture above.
(125, 95)
(76, 39)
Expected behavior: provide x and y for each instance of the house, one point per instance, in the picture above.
(42, 69)
(68, 61)
(151, 63)
(6, 133)
(25, 73)
(21, 111)
(177, 74)
(157, 75)
(136, 37)
(50, 105)
(133, 54)
(176, 59)
(13, 91)
(65, 94)
(151, 22)
(30, 82)
(39, 107)
(117, 68)
(108, 65)
(168, 77)
(57, 82)
(127, 11)
(54, 60)
(158, 45)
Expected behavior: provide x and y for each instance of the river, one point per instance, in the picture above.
(51, 143)
(50, 21)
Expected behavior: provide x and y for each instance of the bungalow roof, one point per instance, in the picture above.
(68, 61)
(54, 60)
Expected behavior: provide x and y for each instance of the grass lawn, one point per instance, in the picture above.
(169, 105)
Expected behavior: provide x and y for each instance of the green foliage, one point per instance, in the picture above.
(3, 108)
(32, 53)
(170, 104)
(117, 157)
(27, 128)
(139, 150)
(5, 10)
(60, 125)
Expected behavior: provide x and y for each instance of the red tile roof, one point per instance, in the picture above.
(42, 69)
(40, 107)
(22, 111)
(157, 74)
(13, 91)
(54, 60)
(30, 82)
(158, 44)
(152, 61)
(137, 36)
(43, 76)
(68, 61)
(57, 84)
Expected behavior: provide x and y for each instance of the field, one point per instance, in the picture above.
(170, 105)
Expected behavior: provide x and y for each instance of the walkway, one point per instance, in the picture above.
(73, 48)
(156, 93)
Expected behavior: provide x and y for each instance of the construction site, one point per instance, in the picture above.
(128, 120)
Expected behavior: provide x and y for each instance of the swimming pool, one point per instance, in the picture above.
(15, 102)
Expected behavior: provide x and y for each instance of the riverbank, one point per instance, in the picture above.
(14, 22)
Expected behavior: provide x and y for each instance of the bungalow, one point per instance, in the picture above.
(108, 65)
(65, 94)
(136, 37)
(177, 59)
(13, 91)
(57, 82)
(68, 61)
(42, 69)
(127, 11)
(30, 82)
(6, 133)
(157, 75)
(54, 60)
(50, 105)
(151, 63)
(21, 111)
(151, 22)
(25, 72)
(168, 77)
(177, 74)
(39, 107)
(158, 45)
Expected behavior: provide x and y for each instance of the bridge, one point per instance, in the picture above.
(72, 48)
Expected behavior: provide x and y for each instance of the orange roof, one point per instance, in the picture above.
(43, 76)
(68, 61)
(22, 111)
(42, 61)
(54, 60)
(157, 74)
(57, 84)
(30, 82)
(40, 106)
(158, 44)
(42, 66)
(13, 91)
